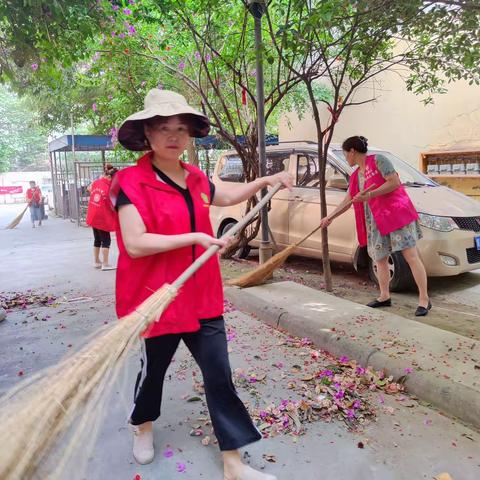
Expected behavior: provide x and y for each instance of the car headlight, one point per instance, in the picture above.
(441, 224)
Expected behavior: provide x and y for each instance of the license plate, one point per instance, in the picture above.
(477, 243)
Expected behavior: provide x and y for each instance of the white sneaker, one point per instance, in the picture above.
(108, 267)
(143, 451)
(98, 266)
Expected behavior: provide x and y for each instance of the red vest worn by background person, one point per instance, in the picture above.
(34, 194)
(164, 211)
(390, 211)
(100, 213)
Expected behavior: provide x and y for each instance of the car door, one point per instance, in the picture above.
(304, 210)
(278, 216)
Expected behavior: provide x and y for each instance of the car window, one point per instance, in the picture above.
(277, 162)
(308, 171)
(408, 174)
(231, 169)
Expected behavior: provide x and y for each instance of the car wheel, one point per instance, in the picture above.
(241, 252)
(401, 277)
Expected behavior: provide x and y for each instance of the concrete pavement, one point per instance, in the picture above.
(408, 440)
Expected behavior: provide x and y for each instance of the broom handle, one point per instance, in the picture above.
(306, 237)
(200, 261)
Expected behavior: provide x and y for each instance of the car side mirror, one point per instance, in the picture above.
(337, 181)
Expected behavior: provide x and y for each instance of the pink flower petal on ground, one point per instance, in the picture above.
(168, 453)
(181, 467)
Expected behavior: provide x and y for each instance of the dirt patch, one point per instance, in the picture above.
(448, 312)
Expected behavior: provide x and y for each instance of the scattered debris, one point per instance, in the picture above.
(443, 476)
(18, 300)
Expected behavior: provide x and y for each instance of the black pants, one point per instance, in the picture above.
(101, 238)
(231, 422)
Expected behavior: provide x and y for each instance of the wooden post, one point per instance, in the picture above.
(192, 153)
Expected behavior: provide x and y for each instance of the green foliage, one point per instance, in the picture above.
(98, 59)
(22, 142)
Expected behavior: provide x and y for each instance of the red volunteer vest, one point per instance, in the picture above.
(164, 211)
(390, 211)
(100, 213)
(34, 194)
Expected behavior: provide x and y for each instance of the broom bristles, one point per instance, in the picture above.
(16, 220)
(264, 271)
(34, 418)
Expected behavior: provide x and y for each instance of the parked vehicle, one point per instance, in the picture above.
(450, 220)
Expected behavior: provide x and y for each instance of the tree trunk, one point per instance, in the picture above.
(322, 162)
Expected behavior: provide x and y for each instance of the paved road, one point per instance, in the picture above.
(408, 440)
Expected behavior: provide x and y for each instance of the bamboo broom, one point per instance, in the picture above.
(263, 272)
(16, 220)
(42, 416)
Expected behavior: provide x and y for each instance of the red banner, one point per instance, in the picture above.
(10, 190)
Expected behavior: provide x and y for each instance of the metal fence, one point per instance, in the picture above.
(85, 173)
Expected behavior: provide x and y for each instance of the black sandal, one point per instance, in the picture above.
(422, 311)
(380, 303)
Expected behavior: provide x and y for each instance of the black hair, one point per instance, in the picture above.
(358, 143)
(109, 170)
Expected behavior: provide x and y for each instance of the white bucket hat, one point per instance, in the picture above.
(160, 103)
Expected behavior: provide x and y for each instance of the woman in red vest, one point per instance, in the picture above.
(34, 200)
(164, 225)
(101, 217)
(386, 219)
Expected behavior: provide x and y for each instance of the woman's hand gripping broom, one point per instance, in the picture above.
(42, 415)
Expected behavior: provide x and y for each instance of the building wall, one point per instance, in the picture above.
(399, 122)
(16, 179)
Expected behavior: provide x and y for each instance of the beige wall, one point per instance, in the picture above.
(399, 122)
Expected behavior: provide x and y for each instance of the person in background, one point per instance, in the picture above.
(34, 200)
(101, 217)
(386, 219)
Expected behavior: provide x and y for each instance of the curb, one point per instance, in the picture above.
(453, 398)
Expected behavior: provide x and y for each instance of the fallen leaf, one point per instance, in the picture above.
(194, 399)
(269, 457)
(443, 476)
(206, 441)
